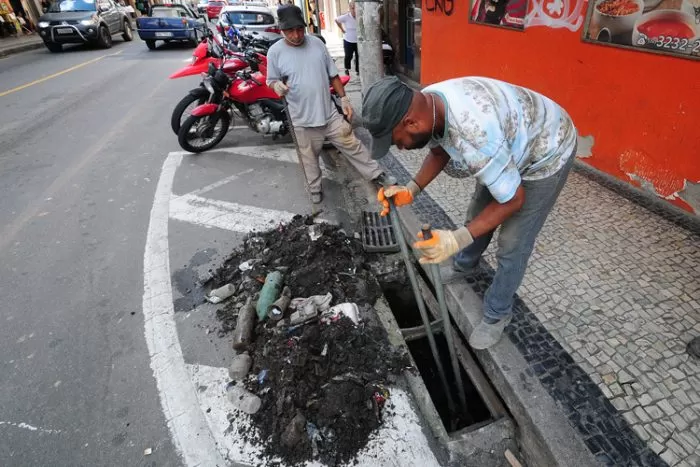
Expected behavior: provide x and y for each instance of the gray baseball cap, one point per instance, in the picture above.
(384, 105)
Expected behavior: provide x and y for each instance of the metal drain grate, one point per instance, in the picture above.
(378, 234)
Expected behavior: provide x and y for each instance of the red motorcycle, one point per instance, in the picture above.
(208, 51)
(246, 95)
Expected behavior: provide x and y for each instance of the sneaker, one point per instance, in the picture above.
(487, 335)
(347, 72)
(384, 180)
(317, 197)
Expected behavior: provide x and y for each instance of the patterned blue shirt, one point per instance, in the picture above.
(501, 133)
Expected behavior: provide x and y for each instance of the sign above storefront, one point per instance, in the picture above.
(504, 13)
(671, 27)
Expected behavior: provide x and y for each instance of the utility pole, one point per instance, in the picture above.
(369, 41)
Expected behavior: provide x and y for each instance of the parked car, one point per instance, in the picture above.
(83, 21)
(214, 7)
(248, 18)
(202, 6)
(170, 23)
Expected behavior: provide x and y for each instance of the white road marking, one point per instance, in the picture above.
(399, 442)
(189, 430)
(225, 215)
(220, 183)
(27, 426)
(279, 152)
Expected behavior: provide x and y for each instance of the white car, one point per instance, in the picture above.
(249, 15)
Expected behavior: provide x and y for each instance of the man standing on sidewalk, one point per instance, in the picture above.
(348, 25)
(518, 144)
(299, 68)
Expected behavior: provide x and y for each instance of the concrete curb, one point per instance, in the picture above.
(21, 48)
(545, 436)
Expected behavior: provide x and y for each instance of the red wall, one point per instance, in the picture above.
(642, 109)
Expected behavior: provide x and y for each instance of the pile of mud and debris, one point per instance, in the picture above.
(313, 364)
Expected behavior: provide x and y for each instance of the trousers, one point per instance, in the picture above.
(350, 49)
(339, 133)
(515, 241)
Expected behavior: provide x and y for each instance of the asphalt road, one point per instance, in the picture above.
(83, 135)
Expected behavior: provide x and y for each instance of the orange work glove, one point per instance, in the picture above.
(402, 195)
(443, 245)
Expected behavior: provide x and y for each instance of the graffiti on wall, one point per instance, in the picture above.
(445, 7)
(556, 14)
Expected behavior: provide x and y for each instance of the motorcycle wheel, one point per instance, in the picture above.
(183, 108)
(199, 134)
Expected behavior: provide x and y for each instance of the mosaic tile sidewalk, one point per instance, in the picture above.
(610, 299)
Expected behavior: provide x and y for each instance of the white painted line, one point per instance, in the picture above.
(220, 183)
(27, 426)
(188, 427)
(279, 152)
(399, 442)
(225, 215)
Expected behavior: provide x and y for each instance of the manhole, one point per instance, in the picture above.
(378, 234)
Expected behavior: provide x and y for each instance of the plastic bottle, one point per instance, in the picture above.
(243, 400)
(269, 293)
(243, 334)
(240, 366)
(222, 293)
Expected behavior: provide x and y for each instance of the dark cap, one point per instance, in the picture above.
(384, 105)
(290, 17)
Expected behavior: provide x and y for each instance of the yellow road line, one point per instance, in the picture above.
(63, 72)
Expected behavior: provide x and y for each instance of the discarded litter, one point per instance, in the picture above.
(240, 366)
(349, 310)
(315, 232)
(147, 452)
(307, 377)
(221, 294)
(242, 399)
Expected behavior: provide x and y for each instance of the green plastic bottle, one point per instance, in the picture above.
(269, 293)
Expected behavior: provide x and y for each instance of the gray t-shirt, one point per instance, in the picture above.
(309, 68)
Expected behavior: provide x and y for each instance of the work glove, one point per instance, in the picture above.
(280, 88)
(402, 195)
(443, 245)
(347, 107)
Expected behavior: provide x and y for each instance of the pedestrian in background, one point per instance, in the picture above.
(300, 68)
(348, 25)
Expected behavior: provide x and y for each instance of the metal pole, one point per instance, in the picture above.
(419, 301)
(447, 327)
(369, 41)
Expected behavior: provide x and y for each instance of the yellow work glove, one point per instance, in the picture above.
(443, 245)
(402, 195)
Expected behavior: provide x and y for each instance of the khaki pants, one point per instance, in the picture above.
(339, 133)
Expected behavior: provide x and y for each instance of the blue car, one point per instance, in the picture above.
(170, 23)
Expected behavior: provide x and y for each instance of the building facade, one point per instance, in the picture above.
(633, 93)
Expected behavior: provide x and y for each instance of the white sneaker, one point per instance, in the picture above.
(487, 335)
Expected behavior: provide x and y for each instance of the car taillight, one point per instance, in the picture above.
(274, 29)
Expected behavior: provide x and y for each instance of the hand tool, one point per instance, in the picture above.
(440, 292)
(421, 304)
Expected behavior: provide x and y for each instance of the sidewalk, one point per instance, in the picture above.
(609, 302)
(13, 45)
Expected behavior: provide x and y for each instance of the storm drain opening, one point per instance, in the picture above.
(400, 297)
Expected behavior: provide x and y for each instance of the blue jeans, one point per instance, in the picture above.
(516, 239)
